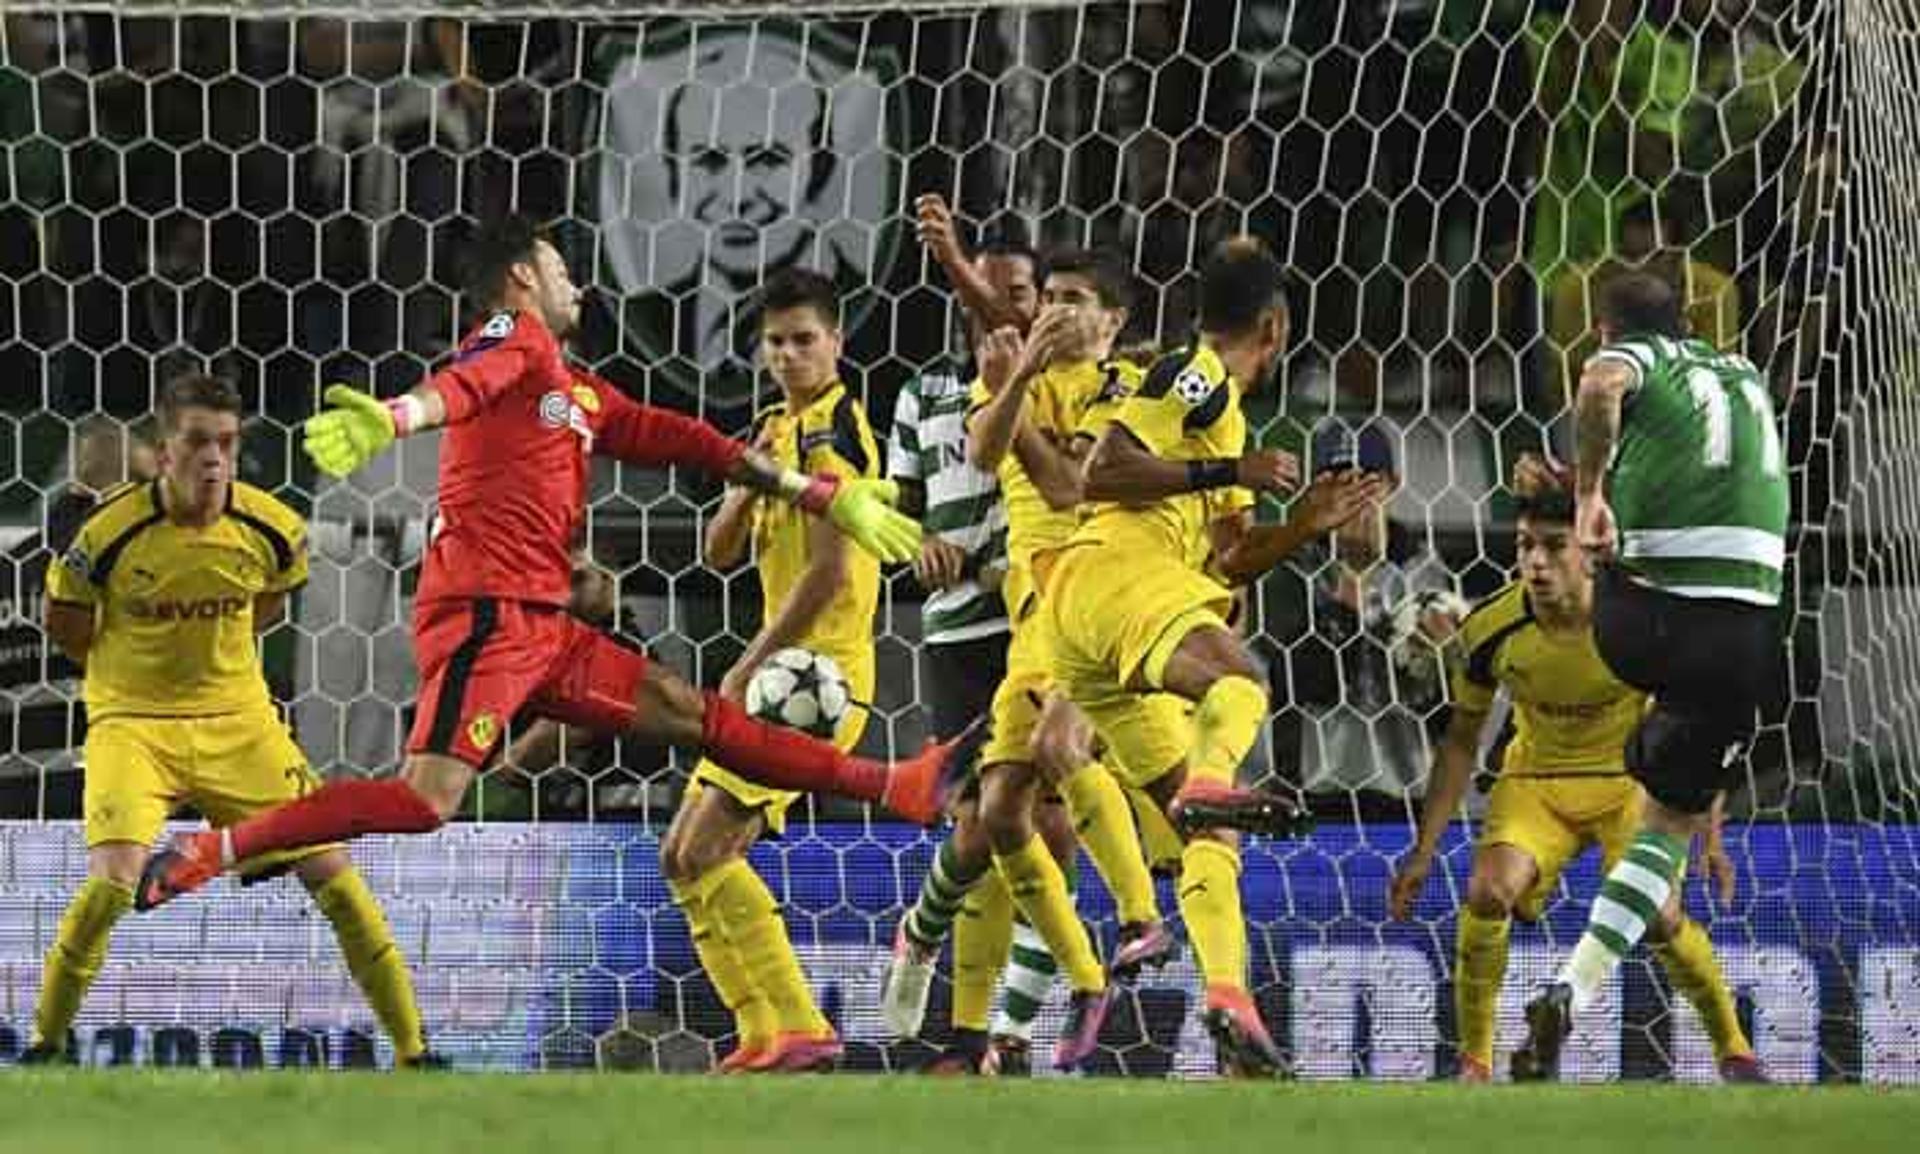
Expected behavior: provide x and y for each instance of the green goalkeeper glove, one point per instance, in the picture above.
(863, 510)
(351, 433)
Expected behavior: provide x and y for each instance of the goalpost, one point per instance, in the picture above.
(278, 192)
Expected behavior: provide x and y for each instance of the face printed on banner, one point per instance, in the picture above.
(729, 153)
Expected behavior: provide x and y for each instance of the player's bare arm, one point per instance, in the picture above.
(268, 609)
(933, 222)
(730, 531)
(1452, 770)
(69, 625)
(1122, 469)
(1054, 470)
(1604, 383)
(1329, 502)
(1008, 365)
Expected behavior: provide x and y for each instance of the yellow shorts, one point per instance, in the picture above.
(1017, 702)
(229, 767)
(772, 804)
(1112, 621)
(1554, 819)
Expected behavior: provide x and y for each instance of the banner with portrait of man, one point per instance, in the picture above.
(726, 151)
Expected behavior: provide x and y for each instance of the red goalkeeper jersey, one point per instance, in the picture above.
(521, 425)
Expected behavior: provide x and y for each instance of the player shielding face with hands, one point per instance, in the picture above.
(491, 634)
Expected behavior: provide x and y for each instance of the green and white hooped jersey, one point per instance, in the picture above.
(929, 445)
(1699, 481)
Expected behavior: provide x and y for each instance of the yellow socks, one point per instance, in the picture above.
(1040, 890)
(1480, 964)
(1225, 724)
(982, 935)
(744, 910)
(373, 958)
(1104, 822)
(1695, 972)
(753, 1018)
(78, 951)
(1210, 903)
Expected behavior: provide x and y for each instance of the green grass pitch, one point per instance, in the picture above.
(140, 1112)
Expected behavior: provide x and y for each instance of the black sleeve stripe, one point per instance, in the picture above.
(282, 548)
(1480, 661)
(1203, 415)
(1165, 371)
(847, 440)
(110, 553)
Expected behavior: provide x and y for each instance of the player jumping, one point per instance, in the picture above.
(1682, 492)
(491, 631)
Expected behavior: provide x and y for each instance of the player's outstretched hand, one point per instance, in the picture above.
(863, 510)
(1408, 880)
(351, 433)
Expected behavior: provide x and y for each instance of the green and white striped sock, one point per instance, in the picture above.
(942, 893)
(1631, 898)
(1029, 977)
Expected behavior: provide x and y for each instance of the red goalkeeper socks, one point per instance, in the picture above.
(336, 811)
(785, 758)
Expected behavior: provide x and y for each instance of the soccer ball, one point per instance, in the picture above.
(801, 690)
(1419, 663)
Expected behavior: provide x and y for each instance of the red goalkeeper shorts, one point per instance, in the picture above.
(483, 660)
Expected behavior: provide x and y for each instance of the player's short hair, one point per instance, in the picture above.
(1013, 248)
(1107, 272)
(495, 247)
(1640, 302)
(795, 287)
(196, 391)
(1240, 282)
(1553, 505)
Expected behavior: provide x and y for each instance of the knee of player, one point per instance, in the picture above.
(1665, 927)
(316, 871)
(686, 859)
(117, 862)
(1491, 894)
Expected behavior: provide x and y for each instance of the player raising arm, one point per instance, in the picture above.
(491, 634)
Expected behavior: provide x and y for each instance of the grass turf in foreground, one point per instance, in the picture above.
(143, 1112)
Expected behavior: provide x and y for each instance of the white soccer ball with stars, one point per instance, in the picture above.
(801, 690)
(1420, 661)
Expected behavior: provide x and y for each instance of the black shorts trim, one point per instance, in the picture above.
(453, 690)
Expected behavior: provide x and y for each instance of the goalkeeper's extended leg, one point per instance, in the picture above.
(606, 687)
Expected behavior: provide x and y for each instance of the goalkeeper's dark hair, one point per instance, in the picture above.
(1552, 505)
(795, 287)
(196, 391)
(1104, 269)
(1240, 282)
(1640, 303)
(495, 247)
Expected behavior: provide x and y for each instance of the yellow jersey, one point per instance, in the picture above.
(173, 604)
(1187, 408)
(1570, 714)
(829, 435)
(1064, 401)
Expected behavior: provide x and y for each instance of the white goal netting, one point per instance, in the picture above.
(279, 193)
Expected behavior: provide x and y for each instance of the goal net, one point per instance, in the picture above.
(278, 193)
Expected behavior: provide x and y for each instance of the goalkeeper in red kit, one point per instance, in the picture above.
(492, 637)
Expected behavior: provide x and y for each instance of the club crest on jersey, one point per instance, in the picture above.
(586, 397)
(558, 410)
(1192, 386)
(482, 731)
